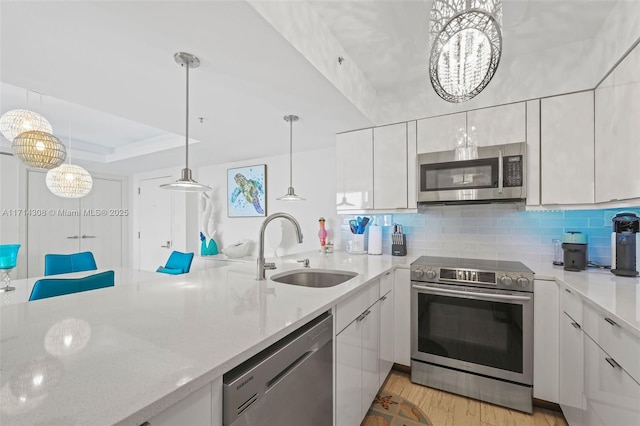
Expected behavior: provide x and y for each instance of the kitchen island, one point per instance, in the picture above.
(123, 354)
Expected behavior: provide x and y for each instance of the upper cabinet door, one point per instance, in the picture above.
(617, 128)
(566, 143)
(390, 166)
(499, 125)
(354, 168)
(440, 133)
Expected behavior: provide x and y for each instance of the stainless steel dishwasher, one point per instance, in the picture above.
(288, 384)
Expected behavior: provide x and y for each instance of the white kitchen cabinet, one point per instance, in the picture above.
(402, 314)
(390, 167)
(571, 372)
(440, 133)
(93, 223)
(613, 394)
(533, 152)
(201, 408)
(499, 125)
(354, 168)
(566, 149)
(545, 340)
(370, 357)
(386, 326)
(357, 363)
(617, 132)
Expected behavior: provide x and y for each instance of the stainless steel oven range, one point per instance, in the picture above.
(472, 329)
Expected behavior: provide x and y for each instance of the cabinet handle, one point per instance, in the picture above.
(361, 317)
(576, 325)
(610, 321)
(146, 424)
(387, 274)
(73, 237)
(567, 290)
(500, 173)
(383, 298)
(168, 245)
(88, 236)
(612, 362)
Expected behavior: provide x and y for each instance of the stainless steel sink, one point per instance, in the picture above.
(319, 278)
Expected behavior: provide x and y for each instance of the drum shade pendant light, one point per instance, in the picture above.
(186, 182)
(69, 180)
(466, 46)
(291, 193)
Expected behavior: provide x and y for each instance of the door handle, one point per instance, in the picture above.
(88, 236)
(610, 321)
(73, 237)
(168, 245)
(612, 363)
(500, 173)
(472, 294)
(576, 325)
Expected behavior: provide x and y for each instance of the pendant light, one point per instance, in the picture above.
(466, 46)
(69, 180)
(291, 194)
(186, 182)
(31, 139)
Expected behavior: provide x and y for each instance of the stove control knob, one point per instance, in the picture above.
(506, 280)
(418, 273)
(523, 282)
(431, 274)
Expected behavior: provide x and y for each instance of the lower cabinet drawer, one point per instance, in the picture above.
(623, 346)
(354, 306)
(571, 303)
(612, 394)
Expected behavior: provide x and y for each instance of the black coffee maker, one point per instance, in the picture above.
(623, 244)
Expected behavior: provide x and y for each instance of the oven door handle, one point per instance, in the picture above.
(472, 293)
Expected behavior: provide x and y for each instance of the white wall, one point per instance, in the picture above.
(314, 178)
(12, 197)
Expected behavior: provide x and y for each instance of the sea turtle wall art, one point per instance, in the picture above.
(246, 191)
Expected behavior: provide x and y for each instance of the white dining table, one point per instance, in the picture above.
(123, 276)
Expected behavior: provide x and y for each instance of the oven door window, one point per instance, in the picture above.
(477, 331)
(471, 174)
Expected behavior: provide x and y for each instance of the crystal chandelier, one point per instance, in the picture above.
(466, 45)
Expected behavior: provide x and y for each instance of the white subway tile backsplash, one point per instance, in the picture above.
(499, 231)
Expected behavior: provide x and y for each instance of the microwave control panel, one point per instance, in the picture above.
(513, 171)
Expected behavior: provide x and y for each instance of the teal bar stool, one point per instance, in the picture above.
(52, 287)
(55, 264)
(8, 261)
(178, 263)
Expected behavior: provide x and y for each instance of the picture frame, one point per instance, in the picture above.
(247, 191)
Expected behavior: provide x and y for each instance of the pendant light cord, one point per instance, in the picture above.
(187, 120)
(290, 152)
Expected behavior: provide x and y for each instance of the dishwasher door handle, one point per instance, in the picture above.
(281, 375)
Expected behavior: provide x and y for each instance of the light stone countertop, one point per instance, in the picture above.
(138, 348)
(618, 297)
(122, 354)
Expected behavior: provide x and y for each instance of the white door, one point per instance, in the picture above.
(101, 221)
(154, 218)
(52, 225)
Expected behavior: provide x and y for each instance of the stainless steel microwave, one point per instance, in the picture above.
(473, 175)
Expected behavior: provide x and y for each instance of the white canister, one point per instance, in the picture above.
(375, 239)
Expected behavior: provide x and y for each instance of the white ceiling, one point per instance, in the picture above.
(114, 62)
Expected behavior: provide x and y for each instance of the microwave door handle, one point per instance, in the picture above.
(432, 290)
(500, 172)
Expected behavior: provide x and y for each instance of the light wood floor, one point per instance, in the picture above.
(445, 409)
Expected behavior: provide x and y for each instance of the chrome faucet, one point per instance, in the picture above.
(262, 265)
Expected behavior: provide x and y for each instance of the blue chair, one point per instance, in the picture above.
(55, 264)
(178, 263)
(51, 287)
